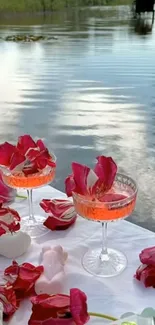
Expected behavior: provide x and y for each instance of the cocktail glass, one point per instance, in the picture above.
(32, 224)
(107, 262)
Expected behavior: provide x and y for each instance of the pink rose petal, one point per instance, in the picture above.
(78, 306)
(147, 256)
(62, 213)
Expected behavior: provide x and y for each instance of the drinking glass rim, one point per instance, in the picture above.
(101, 204)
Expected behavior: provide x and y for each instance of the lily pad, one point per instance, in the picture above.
(27, 38)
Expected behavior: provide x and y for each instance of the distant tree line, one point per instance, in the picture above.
(51, 5)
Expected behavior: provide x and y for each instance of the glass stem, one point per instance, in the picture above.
(104, 253)
(31, 214)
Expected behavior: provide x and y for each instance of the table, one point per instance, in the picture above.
(113, 296)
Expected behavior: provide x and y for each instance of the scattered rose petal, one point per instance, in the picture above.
(62, 213)
(147, 256)
(146, 274)
(8, 299)
(25, 276)
(9, 220)
(57, 309)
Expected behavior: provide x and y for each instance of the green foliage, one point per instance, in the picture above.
(51, 5)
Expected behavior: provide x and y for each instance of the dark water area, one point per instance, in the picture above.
(91, 91)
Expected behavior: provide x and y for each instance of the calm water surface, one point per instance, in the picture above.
(91, 91)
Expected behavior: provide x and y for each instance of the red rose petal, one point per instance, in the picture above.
(27, 276)
(47, 307)
(78, 306)
(30, 169)
(112, 197)
(17, 161)
(147, 256)
(84, 178)
(32, 154)
(146, 274)
(7, 194)
(11, 272)
(70, 185)
(52, 321)
(8, 299)
(25, 142)
(9, 220)
(55, 224)
(63, 214)
(6, 152)
(27, 157)
(40, 144)
(53, 301)
(92, 183)
(106, 170)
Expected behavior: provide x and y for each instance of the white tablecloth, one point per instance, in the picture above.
(113, 296)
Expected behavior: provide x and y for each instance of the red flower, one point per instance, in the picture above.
(146, 274)
(27, 156)
(23, 278)
(92, 183)
(62, 214)
(60, 309)
(8, 300)
(9, 220)
(147, 256)
(7, 194)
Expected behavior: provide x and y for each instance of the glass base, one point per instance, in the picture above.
(111, 266)
(34, 228)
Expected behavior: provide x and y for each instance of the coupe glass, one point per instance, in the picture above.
(32, 224)
(104, 261)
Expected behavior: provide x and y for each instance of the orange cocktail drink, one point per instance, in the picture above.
(19, 180)
(117, 204)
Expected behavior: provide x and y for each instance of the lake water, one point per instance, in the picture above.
(91, 91)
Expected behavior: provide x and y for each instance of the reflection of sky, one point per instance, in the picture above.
(88, 92)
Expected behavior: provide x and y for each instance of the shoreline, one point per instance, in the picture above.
(43, 12)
